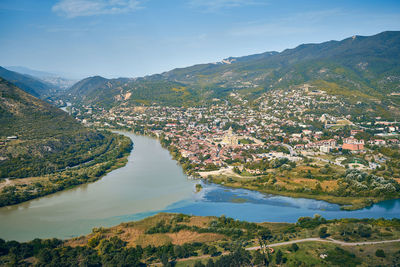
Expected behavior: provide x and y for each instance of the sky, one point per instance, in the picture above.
(133, 38)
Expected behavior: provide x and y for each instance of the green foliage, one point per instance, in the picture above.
(279, 257)
(323, 232)
(50, 142)
(358, 183)
(222, 225)
(308, 222)
(70, 177)
(294, 247)
(380, 253)
(355, 68)
(341, 257)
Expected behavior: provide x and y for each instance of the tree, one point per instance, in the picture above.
(210, 263)
(380, 253)
(199, 264)
(164, 259)
(279, 256)
(264, 235)
(294, 247)
(259, 258)
(323, 232)
(364, 230)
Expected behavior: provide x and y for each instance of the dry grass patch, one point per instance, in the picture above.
(199, 221)
(329, 185)
(185, 236)
(131, 236)
(148, 222)
(152, 240)
(77, 241)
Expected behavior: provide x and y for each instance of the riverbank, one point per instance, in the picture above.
(346, 203)
(185, 240)
(300, 187)
(227, 177)
(18, 190)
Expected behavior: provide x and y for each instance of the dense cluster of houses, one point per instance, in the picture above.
(223, 132)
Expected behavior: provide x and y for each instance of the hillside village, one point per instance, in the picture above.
(296, 124)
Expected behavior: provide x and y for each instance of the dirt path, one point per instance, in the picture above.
(225, 171)
(312, 239)
(190, 258)
(7, 182)
(329, 240)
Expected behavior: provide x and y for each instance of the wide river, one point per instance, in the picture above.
(152, 182)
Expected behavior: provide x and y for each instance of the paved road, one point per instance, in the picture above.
(329, 161)
(330, 240)
(291, 150)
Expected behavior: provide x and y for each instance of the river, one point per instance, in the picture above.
(152, 182)
(65, 108)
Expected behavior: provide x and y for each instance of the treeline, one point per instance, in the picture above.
(108, 252)
(103, 250)
(266, 164)
(118, 147)
(55, 155)
(358, 183)
(222, 225)
(115, 252)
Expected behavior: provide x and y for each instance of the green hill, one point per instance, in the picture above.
(43, 150)
(364, 67)
(109, 92)
(49, 139)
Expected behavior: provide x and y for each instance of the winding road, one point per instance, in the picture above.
(329, 240)
(311, 239)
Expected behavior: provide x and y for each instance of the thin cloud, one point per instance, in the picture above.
(81, 8)
(214, 5)
(298, 23)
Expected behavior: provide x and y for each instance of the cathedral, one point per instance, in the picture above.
(230, 138)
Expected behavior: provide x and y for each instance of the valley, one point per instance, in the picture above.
(290, 142)
(283, 158)
(43, 150)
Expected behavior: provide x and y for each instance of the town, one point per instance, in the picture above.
(279, 124)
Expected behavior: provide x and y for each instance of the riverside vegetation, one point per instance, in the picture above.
(182, 240)
(351, 188)
(334, 104)
(44, 150)
(293, 123)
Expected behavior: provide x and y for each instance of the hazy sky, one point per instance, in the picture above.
(132, 38)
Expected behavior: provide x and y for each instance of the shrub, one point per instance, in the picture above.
(380, 253)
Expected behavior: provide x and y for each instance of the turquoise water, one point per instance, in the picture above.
(217, 200)
(152, 182)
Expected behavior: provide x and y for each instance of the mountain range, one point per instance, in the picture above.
(27, 83)
(366, 67)
(56, 80)
(358, 68)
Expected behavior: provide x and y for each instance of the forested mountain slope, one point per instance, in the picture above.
(48, 138)
(366, 68)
